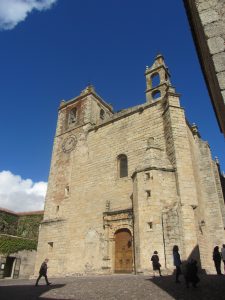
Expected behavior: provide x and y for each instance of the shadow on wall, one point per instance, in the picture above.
(195, 254)
(27, 292)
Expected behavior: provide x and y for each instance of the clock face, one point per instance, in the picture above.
(69, 143)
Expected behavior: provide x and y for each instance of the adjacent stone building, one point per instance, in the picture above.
(18, 242)
(207, 21)
(124, 184)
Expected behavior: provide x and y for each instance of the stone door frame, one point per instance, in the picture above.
(112, 222)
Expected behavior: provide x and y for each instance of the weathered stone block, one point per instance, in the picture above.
(223, 95)
(206, 5)
(209, 16)
(216, 45)
(219, 61)
(221, 79)
(214, 29)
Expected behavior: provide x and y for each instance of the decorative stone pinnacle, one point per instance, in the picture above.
(62, 102)
(217, 160)
(194, 128)
(88, 89)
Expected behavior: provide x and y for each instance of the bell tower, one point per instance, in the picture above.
(157, 80)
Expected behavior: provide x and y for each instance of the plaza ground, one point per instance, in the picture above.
(114, 287)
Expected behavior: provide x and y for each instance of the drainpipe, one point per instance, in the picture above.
(164, 246)
(135, 272)
(133, 219)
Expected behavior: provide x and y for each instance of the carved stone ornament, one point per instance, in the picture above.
(69, 143)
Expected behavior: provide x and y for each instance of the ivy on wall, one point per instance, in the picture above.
(18, 232)
(11, 244)
(20, 225)
(8, 223)
(28, 226)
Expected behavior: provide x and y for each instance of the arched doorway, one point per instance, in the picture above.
(123, 251)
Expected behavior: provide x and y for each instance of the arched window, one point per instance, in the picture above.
(155, 80)
(122, 166)
(156, 95)
(72, 115)
(102, 114)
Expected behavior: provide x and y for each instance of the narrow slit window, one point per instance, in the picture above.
(148, 192)
(122, 166)
(67, 190)
(147, 176)
(50, 246)
(102, 114)
(150, 225)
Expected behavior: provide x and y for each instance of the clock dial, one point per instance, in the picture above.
(69, 143)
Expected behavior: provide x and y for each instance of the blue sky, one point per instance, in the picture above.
(51, 51)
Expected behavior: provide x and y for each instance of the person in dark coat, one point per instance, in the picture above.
(177, 262)
(191, 274)
(43, 272)
(155, 263)
(217, 260)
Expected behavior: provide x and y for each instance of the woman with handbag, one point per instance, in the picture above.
(155, 263)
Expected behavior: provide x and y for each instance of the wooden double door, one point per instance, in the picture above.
(123, 251)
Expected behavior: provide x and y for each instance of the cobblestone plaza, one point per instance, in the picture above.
(113, 287)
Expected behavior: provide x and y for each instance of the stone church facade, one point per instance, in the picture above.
(125, 184)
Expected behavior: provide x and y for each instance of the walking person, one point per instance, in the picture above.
(177, 262)
(223, 255)
(155, 263)
(217, 260)
(43, 272)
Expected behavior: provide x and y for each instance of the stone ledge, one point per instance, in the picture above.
(48, 221)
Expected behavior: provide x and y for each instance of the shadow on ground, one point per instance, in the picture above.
(27, 292)
(210, 287)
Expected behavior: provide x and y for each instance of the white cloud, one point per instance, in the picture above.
(14, 11)
(19, 194)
